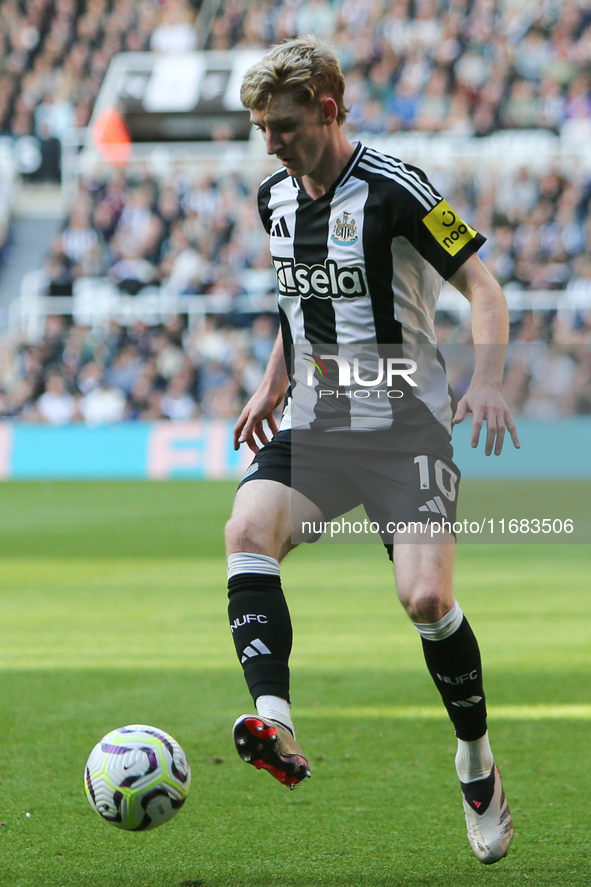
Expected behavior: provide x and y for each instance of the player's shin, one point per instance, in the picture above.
(260, 625)
(261, 628)
(453, 659)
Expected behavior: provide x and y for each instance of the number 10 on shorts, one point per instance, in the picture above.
(445, 478)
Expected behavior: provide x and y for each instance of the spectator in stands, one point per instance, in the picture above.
(580, 282)
(520, 111)
(581, 404)
(434, 104)
(175, 32)
(54, 115)
(89, 377)
(56, 405)
(551, 386)
(125, 369)
(132, 272)
(177, 402)
(140, 400)
(80, 242)
(221, 396)
(182, 267)
(262, 338)
(168, 209)
(316, 16)
(104, 219)
(103, 404)
(50, 350)
(21, 401)
(58, 274)
(139, 229)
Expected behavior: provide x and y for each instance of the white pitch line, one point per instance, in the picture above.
(577, 712)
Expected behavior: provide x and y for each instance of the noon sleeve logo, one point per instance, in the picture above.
(448, 229)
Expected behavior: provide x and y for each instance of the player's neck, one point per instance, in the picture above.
(333, 161)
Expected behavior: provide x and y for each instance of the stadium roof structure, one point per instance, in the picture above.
(185, 100)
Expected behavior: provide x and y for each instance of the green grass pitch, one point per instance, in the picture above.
(112, 610)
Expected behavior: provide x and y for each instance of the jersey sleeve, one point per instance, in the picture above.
(263, 205)
(432, 226)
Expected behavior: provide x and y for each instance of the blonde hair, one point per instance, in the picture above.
(305, 68)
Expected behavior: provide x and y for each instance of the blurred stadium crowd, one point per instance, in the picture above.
(196, 233)
(54, 55)
(200, 234)
(463, 67)
(140, 372)
(170, 371)
(459, 66)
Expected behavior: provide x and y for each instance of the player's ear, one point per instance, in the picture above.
(329, 110)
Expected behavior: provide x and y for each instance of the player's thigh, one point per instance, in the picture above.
(263, 518)
(424, 575)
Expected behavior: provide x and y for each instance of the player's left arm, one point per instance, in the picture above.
(490, 332)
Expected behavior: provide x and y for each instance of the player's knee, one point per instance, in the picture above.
(241, 534)
(245, 533)
(426, 601)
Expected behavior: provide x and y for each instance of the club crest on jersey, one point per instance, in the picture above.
(345, 230)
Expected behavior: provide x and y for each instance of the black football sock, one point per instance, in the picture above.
(261, 629)
(454, 664)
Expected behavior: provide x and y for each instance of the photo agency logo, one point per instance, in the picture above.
(362, 382)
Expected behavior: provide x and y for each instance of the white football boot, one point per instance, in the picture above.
(488, 819)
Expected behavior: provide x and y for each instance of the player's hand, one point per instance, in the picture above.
(249, 428)
(486, 403)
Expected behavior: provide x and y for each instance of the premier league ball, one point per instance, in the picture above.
(137, 777)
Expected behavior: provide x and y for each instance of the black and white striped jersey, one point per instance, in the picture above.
(359, 270)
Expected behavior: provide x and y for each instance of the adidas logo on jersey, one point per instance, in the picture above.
(280, 228)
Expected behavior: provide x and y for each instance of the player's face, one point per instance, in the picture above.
(297, 134)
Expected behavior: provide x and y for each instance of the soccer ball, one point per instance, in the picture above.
(137, 777)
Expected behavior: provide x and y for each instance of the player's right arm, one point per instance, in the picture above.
(249, 428)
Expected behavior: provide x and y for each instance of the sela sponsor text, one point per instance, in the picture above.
(328, 281)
